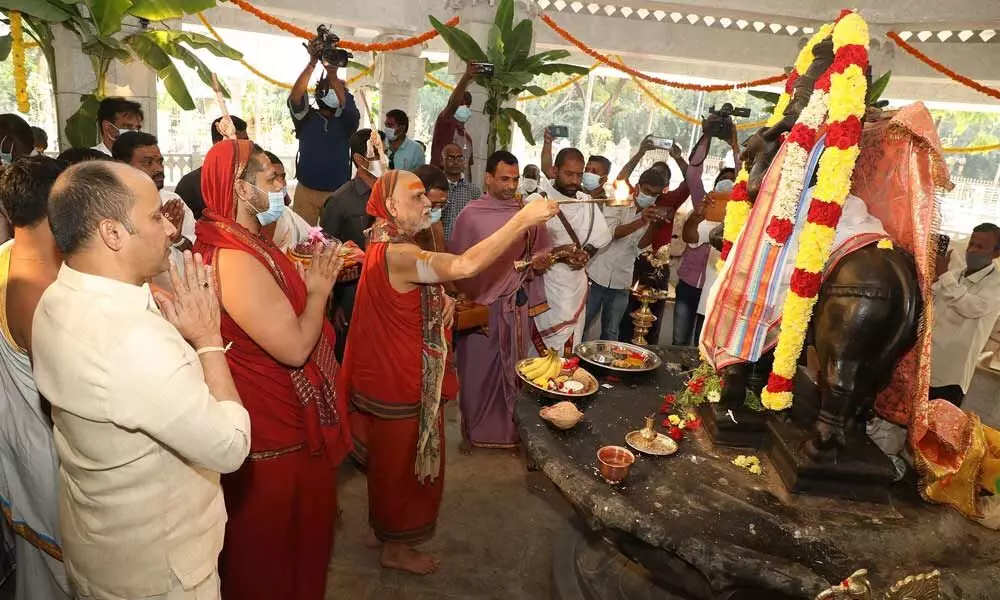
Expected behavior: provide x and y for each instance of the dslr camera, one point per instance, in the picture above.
(719, 123)
(328, 52)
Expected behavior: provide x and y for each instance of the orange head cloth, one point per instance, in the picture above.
(378, 200)
(224, 164)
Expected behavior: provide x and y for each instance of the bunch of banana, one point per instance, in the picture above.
(540, 370)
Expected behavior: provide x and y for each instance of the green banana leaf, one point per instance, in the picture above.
(47, 10)
(878, 88)
(536, 60)
(194, 63)
(522, 122)
(4, 47)
(160, 10)
(535, 90)
(107, 15)
(430, 67)
(504, 19)
(106, 48)
(462, 43)
(503, 132)
(157, 59)
(495, 47)
(771, 97)
(195, 40)
(81, 126)
(517, 46)
(564, 68)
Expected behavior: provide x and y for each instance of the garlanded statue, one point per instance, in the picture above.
(856, 587)
(830, 235)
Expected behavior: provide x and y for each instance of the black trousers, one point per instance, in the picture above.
(951, 393)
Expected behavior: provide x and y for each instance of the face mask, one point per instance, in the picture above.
(724, 187)
(390, 135)
(374, 167)
(275, 207)
(529, 185)
(644, 200)
(590, 181)
(330, 100)
(436, 214)
(6, 158)
(977, 261)
(463, 114)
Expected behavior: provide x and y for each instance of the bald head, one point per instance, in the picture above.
(87, 194)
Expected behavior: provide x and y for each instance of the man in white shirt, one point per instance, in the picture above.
(115, 116)
(144, 408)
(141, 150)
(610, 271)
(966, 306)
(577, 232)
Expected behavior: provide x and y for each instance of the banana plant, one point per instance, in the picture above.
(507, 48)
(98, 25)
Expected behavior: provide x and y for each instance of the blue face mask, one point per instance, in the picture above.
(275, 207)
(590, 181)
(390, 135)
(644, 200)
(330, 100)
(463, 114)
(436, 214)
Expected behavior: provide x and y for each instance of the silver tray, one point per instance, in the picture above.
(599, 353)
(662, 445)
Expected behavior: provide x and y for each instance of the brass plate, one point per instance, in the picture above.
(661, 446)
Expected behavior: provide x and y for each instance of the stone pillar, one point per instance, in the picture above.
(75, 77)
(476, 20)
(399, 76)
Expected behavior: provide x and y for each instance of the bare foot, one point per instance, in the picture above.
(372, 540)
(403, 558)
(465, 447)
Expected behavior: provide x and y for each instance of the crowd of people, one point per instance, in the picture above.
(179, 393)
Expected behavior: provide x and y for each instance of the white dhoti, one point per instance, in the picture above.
(562, 326)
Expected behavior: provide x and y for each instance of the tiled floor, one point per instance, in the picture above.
(494, 536)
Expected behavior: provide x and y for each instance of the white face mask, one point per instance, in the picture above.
(374, 167)
(529, 185)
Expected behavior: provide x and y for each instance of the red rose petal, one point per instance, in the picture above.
(806, 284)
(780, 229)
(826, 213)
(776, 383)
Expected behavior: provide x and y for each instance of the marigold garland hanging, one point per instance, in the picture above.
(629, 70)
(738, 208)
(345, 44)
(847, 86)
(17, 58)
(930, 62)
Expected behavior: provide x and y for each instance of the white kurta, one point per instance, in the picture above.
(566, 289)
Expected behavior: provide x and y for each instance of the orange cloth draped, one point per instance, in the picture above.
(396, 373)
(901, 167)
(282, 501)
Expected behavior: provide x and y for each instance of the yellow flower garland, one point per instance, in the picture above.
(836, 166)
(738, 207)
(17, 58)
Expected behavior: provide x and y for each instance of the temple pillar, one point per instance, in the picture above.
(399, 76)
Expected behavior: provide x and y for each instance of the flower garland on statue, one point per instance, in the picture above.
(847, 87)
(738, 208)
(799, 144)
(17, 58)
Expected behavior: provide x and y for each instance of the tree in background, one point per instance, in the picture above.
(98, 25)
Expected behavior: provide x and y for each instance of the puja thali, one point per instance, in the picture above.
(618, 356)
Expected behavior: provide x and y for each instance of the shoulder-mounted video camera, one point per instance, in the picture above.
(719, 123)
(328, 51)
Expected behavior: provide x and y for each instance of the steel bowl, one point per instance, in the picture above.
(582, 375)
(601, 353)
(614, 462)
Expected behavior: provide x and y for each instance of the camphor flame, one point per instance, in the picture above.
(622, 192)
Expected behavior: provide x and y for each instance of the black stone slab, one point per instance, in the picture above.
(742, 531)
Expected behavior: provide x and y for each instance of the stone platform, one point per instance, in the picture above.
(706, 529)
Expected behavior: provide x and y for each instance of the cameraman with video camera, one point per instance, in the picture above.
(324, 132)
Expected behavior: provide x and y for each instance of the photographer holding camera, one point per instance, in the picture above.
(324, 132)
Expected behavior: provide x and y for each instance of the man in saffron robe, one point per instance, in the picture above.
(486, 362)
(282, 502)
(397, 395)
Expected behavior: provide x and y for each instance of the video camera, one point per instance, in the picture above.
(721, 126)
(329, 54)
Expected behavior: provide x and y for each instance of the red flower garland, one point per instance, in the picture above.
(992, 92)
(780, 229)
(826, 213)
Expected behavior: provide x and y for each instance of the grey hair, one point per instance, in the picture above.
(83, 196)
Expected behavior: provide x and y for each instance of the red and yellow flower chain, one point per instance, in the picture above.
(847, 85)
(17, 58)
(738, 207)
